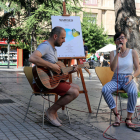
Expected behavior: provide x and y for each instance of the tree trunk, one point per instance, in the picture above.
(128, 22)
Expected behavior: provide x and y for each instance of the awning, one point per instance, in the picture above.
(107, 48)
(4, 42)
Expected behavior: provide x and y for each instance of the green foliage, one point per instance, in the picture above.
(23, 44)
(124, 95)
(111, 40)
(26, 44)
(43, 14)
(34, 16)
(10, 32)
(95, 37)
(3, 6)
(139, 94)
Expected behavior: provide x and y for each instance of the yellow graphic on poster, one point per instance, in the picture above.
(70, 34)
(75, 33)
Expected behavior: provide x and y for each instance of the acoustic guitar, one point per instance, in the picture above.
(48, 79)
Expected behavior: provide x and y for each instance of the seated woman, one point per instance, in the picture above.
(122, 63)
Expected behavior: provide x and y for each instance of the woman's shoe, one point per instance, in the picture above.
(129, 125)
(117, 123)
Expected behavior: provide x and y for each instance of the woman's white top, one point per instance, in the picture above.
(125, 64)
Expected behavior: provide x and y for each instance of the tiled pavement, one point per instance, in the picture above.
(13, 128)
(84, 126)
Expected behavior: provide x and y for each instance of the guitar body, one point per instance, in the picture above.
(47, 79)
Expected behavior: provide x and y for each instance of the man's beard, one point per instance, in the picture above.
(57, 44)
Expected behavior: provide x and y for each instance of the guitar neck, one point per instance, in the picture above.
(68, 69)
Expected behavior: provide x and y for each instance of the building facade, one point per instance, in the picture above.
(104, 12)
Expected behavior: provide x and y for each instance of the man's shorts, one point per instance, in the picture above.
(60, 90)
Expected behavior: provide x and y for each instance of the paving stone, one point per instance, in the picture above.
(24, 139)
(44, 139)
(13, 138)
(4, 138)
(64, 138)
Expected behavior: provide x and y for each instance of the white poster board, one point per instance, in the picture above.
(73, 45)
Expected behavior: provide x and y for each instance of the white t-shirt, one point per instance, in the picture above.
(101, 58)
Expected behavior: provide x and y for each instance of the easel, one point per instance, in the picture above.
(67, 60)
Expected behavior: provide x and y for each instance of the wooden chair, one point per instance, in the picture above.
(105, 75)
(29, 76)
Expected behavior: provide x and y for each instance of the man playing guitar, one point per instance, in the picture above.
(46, 56)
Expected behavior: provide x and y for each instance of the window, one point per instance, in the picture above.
(90, 2)
(91, 17)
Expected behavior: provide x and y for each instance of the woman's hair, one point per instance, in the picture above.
(118, 34)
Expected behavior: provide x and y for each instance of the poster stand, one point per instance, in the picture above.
(67, 61)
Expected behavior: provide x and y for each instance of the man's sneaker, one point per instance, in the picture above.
(77, 78)
(90, 76)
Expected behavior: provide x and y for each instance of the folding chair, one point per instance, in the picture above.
(29, 76)
(105, 75)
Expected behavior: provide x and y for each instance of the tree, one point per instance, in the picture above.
(95, 37)
(32, 18)
(128, 22)
(7, 21)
